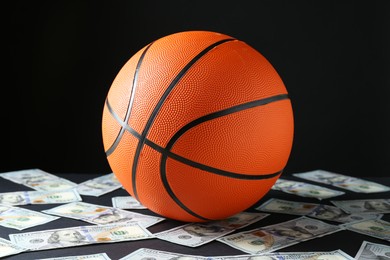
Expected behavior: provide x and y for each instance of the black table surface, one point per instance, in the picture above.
(345, 240)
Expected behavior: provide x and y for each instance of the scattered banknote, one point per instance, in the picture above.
(99, 186)
(369, 250)
(23, 176)
(39, 197)
(196, 234)
(273, 237)
(100, 256)
(343, 181)
(287, 207)
(363, 206)
(78, 236)
(240, 220)
(8, 248)
(372, 227)
(304, 189)
(336, 214)
(193, 234)
(302, 228)
(39, 180)
(147, 253)
(52, 185)
(101, 215)
(126, 202)
(21, 218)
(336, 255)
(257, 241)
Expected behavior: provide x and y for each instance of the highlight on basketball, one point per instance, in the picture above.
(197, 126)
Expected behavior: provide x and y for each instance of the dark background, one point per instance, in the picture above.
(60, 58)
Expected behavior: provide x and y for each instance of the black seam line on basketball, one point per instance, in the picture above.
(172, 194)
(160, 103)
(224, 112)
(122, 123)
(184, 160)
(130, 105)
(207, 168)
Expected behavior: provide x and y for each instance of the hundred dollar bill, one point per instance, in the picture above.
(58, 184)
(23, 176)
(8, 248)
(302, 228)
(196, 234)
(97, 214)
(78, 236)
(39, 197)
(273, 237)
(336, 255)
(332, 213)
(147, 253)
(373, 227)
(304, 189)
(287, 207)
(39, 180)
(343, 181)
(100, 256)
(240, 220)
(369, 250)
(99, 186)
(126, 202)
(257, 241)
(363, 206)
(20, 218)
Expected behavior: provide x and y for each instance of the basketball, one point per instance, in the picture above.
(197, 126)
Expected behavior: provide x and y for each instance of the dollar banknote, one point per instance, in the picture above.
(197, 234)
(369, 250)
(21, 218)
(58, 184)
(336, 255)
(331, 213)
(98, 214)
(39, 197)
(99, 185)
(126, 202)
(193, 234)
(287, 207)
(79, 236)
(363, 206)
(39, 180)
(304, 189)
(23, 176)
(240, 220)
(372, 227)
(147, 253)
(257, 241)
(8, 248)
(343, 181)
(273, 237)
(100, 256)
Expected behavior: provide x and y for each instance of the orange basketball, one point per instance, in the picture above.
(197, 126)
